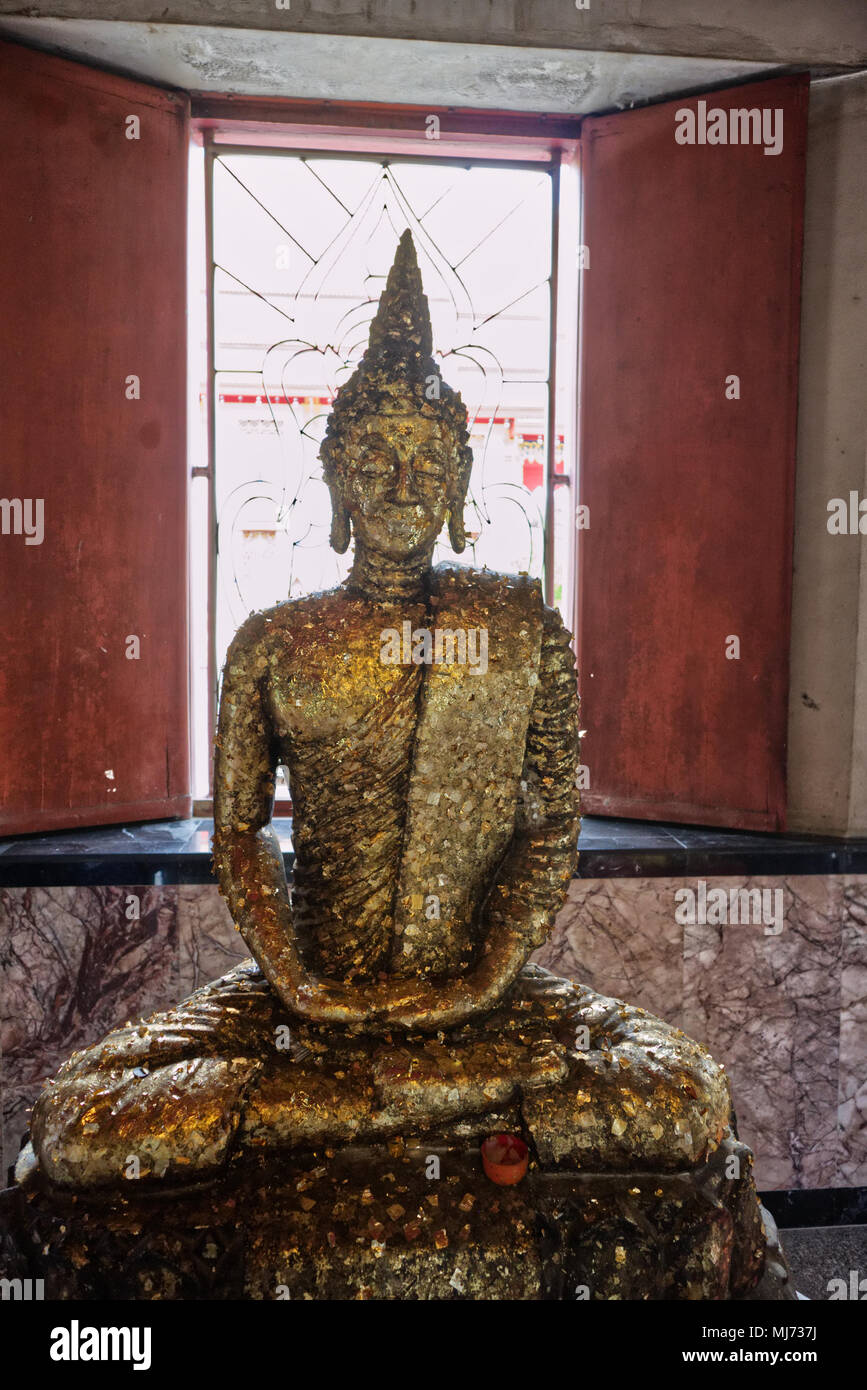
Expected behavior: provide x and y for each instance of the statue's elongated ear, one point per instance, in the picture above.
(457, 534)
(457, 502)
(340, 525)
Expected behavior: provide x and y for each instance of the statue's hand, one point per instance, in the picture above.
(409, 1005)
(422, 1005)
(426, 1006)
(449, 1005)
(320, 1000)
(413, 1004)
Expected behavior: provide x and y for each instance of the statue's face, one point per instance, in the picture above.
(400, 473)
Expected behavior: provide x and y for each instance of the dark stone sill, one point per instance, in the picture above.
(178, 852)
(817, 1206)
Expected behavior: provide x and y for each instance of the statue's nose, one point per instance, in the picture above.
(404, 487)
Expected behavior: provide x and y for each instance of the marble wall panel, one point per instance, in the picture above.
(74, 963)
(786, 1012)
(208, 943)
(619, 936)
(853, 1036)
(767, 1005)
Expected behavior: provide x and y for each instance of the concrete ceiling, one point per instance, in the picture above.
(804, 33)
(256, 62)
(338, 67)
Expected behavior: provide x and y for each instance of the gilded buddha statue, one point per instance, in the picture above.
(390, 993)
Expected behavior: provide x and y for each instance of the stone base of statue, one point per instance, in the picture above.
(378, 1223)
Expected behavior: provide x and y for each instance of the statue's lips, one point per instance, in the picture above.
(406, 518)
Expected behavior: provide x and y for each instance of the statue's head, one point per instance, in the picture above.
(395, 455)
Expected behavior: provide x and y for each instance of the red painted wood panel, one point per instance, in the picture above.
(695, 255)
(92, 235)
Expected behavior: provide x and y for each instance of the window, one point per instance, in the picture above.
(299, 245)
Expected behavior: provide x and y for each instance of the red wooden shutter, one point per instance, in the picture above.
(694, 277)
(92, 234)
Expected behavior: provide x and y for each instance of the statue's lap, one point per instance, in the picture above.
(593, 1082)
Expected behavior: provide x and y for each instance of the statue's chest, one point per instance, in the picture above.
(340, 696)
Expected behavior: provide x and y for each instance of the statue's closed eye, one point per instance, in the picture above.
(426, 464)
(378, 462)
(374, 462)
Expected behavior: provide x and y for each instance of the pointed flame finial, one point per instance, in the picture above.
(401, 326)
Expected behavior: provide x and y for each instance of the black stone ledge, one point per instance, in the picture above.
(179, 852)
(817, 1206)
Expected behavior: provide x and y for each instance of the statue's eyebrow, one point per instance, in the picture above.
(376, 440)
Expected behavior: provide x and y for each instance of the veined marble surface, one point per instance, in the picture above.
(785, 1012)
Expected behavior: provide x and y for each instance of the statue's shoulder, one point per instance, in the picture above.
(297, 612)
(293, 617)
(487, 594)
(491, 585)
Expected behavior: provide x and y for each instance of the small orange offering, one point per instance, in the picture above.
(505, 1158)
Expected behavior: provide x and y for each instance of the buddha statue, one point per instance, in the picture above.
(428, 719)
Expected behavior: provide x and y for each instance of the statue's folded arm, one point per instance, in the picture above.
(534, 876)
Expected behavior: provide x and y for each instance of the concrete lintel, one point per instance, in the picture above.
(832, 33)
(332, 67)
